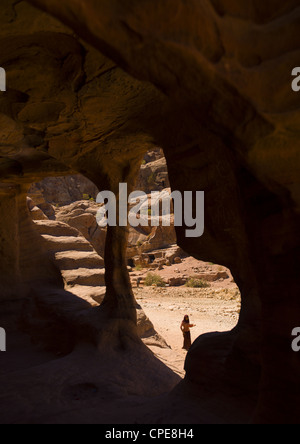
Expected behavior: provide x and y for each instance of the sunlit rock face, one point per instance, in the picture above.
(210, 83)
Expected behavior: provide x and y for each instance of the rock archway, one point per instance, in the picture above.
(217, 99)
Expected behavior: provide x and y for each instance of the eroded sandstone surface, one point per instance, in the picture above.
(91, 87)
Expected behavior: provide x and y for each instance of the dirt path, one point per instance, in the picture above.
(210, 309)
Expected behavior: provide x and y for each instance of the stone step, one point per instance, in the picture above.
(84, 276)
(72, 259)
(55, 228)
(63, 243)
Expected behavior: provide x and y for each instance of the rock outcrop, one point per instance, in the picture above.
(91, 87)
(81, 215)
(153, 176)
(81, 267)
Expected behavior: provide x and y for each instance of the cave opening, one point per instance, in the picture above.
(131, 263)
(168, 283)
(151, 258)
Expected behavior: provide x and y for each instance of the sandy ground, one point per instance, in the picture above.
(213, 309)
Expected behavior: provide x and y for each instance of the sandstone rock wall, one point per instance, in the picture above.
(207, 81)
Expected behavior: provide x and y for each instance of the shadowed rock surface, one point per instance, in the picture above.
(61, 191)
(209, 82)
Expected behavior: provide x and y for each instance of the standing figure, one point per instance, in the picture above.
(185, 328)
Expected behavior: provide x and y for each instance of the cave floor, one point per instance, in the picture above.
(102, 387)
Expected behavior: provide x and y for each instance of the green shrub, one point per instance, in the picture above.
(154, 279)
(197, 283)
